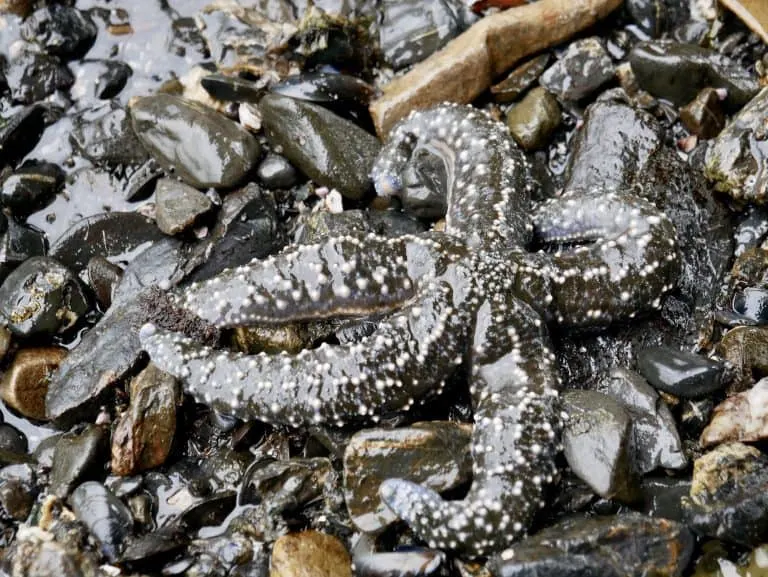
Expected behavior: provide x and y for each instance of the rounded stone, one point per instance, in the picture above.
(310, 554)
(25, 383)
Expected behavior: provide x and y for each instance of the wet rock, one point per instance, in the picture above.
(332, 151)
(467, 66)
(435, 454)
(753, 13)
(746, 348)
(284, 485)
(34, 75)
(728, 498)
(741, 417)
(246, 227)
(12, 441)
(310, 553)
(76, 457)
(143, 435)
(41, 297)
(276, 172)
(409, 32)
(656, 442)
(103, 278)
(60, 30)
(111, 234)
(596, 443)
(534, 119)
(752, 304)
(680, 373)
(18, 244)
(20, 133)
(103, 134)
(201, 146)
(520, 79)
(736, 160)
(102, 79)
(695, 415)
(627, 545)
(25, 384)
(105, 516)
(584, 68)
(178, 205)
(704, 116)
(233, 88)
(414, 563)
(662, 497)
(35, 552)
(17, 491)
(657, 16)
(678, 72)
(31, 187)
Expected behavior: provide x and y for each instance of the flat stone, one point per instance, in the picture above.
(582, 70)
(25, 384)
(76, 456)
(681, 373)
(310, 554)
(178, 205)
(434, 454)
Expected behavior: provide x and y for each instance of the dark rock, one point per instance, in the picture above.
(18, 244)
(704, 116)
(596, 442)
(628, 545)
(695, 415)
(111, 349)
(247, 227)
(520, 79)
(41, 297)
(662, 497)
(17, 491)
(20, 133)
(33, 75)
(584, 68)
(657, 16)
(116, 235)
(77, 456)
(31, 187)
(310, 552)
(25, 383)
(233, 88)
(680, 373)
(141, 180)
(435, 454)
(105, 516)
(746, 349)
(332, 151)
(12, 440)
(409, 32)
(741, 417)
(752, 303)
(655, 441)
(276, 172)
(678, 72)
(101, 79)
(201, 146)
(532, 121)
(284, 485)
(144, 434)
(103, 277)
(103, 134)
(178, 206)
(729, 495)
(61, 30)
(736, 159)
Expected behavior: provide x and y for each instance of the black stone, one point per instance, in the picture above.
(276, 172)
(31, 187)
(681, 373)
(61, 30)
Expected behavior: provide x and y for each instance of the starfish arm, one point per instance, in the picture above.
(631, 260)
(513, 384)
(408, 355)
(343, 276)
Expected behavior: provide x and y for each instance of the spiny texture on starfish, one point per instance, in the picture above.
(475, 294)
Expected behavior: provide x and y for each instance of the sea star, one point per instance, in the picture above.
(470, 295)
